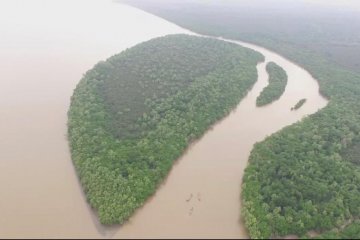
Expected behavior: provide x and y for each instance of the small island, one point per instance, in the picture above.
(299, 104)
(277, 84)
(133, 115)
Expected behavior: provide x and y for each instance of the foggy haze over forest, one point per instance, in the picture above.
(180, 118)
(311, 24)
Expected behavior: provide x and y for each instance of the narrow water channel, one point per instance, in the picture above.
(43, 56)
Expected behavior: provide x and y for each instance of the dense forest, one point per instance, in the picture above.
(299, 104)
(307, 176)
(347, 232)
(276, 86)
(133, 115)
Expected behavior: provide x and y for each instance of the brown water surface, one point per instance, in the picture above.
(45, 47)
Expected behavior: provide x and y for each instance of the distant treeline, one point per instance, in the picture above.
(276, 87)
(307, 176)
(133, 115)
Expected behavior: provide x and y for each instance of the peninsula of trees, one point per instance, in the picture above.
(133, 115)
(275, 88)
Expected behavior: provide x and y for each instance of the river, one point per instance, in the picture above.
(45, 48)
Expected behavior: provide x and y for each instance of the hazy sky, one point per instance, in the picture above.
(353, 4)
(347, 3)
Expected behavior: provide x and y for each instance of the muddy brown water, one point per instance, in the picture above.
(43, 55)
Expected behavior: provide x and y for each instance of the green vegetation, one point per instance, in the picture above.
(134, 114)
(299, 104)
(352, 153)
(305, 177)
(297, 181)
(276, 87)
(312, 159)
(352, 231)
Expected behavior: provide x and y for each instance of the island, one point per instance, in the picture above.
(299, 104)
(275, 88)
(134, 114)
